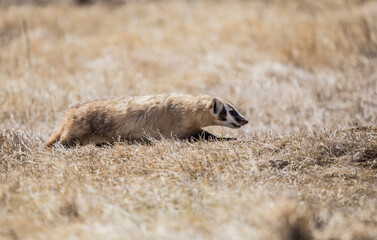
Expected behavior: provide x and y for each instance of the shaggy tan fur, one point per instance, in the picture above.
(136, 118)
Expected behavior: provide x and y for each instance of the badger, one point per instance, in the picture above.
(141, 118)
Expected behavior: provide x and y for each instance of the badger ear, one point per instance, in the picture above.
(216, 106)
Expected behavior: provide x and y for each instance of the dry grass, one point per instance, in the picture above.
(304, 73)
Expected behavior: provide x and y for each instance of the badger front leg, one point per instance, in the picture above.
(204, 135)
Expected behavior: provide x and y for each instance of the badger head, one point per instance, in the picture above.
(226, 115)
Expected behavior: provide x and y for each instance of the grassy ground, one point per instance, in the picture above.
(303, 73)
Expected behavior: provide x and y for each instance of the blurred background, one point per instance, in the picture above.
(288, 65)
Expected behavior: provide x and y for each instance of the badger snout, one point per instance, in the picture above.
(242, 122)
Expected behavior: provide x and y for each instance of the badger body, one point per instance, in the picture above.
(141, 117)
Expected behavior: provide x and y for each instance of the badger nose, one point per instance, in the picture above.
(243, 122)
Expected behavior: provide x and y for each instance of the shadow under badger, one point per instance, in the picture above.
(142, 117)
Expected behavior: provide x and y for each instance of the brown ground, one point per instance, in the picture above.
(303, 73)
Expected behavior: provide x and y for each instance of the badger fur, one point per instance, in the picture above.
(141, 117)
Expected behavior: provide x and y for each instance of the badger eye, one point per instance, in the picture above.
(232, 112)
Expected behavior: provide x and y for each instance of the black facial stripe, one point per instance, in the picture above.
(214, 107)
(238, 118)
(234, 113)
(222, 114)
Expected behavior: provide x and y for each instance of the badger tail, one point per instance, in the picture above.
(56, 137)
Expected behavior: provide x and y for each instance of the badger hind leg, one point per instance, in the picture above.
(55, 137)
(66, 136)
(204, 135)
